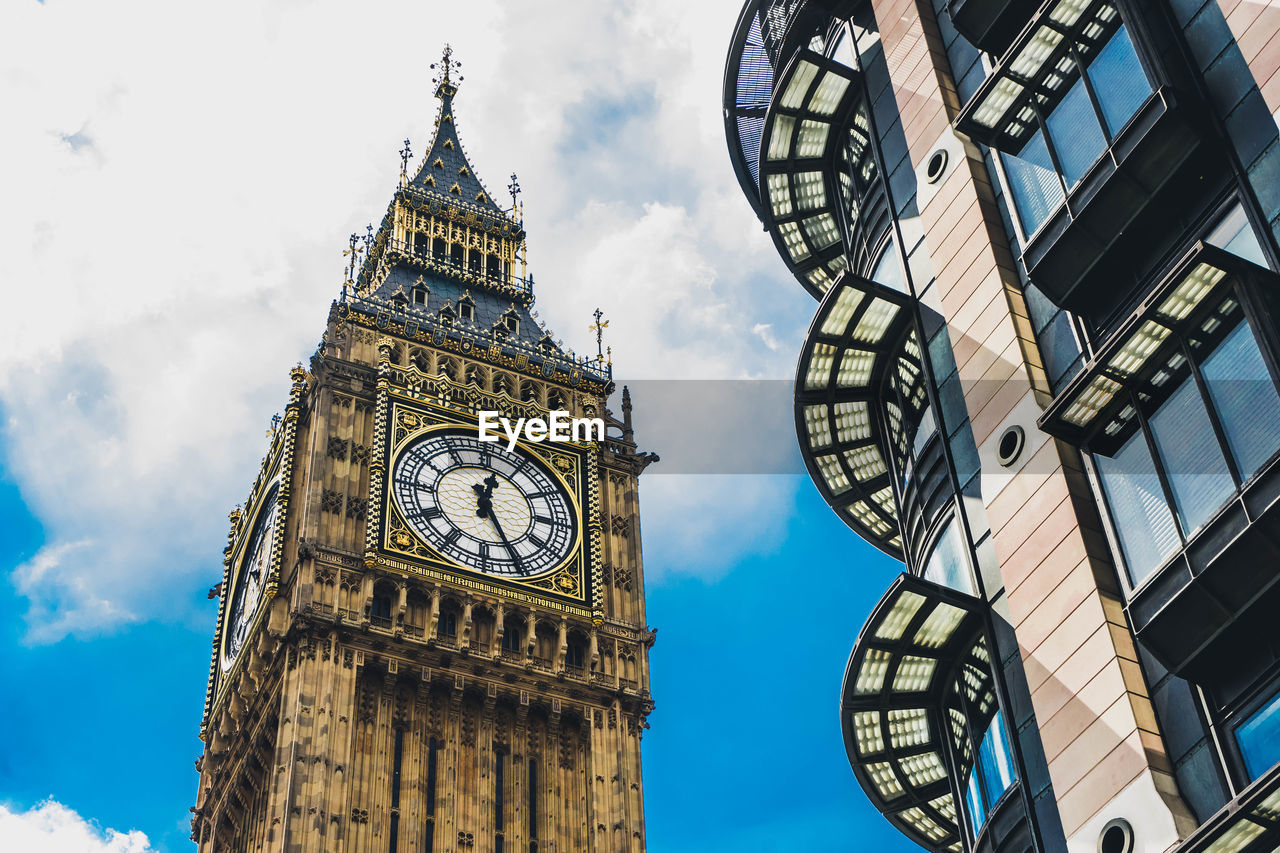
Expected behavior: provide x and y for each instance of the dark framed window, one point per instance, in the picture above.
(1059, 102)
(394, 822)
(1202, 425)
(433, 759)
(511, 637)
(575, 653)
(448, 624)
(991, 775)
(888, 269)
(380, 610)
(1258, 736)
(499, 800)
(946, 563)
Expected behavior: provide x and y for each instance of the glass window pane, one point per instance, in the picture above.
(1259, 739)
(995, 760)
(1193, 462)
(888, 270)
(1075, 132)
(1235, 235)
(973, 803)
(924, 431)
(1034, 184)
(1058, 347)
(1139, 512)
(946, 563)
(1118, 81)
(1245, 399)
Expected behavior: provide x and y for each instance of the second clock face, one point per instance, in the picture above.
(250, 576)
(484, 507)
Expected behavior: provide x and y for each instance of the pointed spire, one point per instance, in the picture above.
(445, 172)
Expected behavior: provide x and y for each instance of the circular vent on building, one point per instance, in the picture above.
(1007, 452)
(1116, 837)
(937, 165)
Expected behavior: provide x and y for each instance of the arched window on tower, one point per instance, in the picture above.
(448, 368)
(447, 624)
(513, 637)
(416, 613)
(482, 628)
(546, 639)
(575, 656)
(458, 255)
(380, 609)
(438, 249)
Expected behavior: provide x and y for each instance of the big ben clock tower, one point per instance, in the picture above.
(426, 641)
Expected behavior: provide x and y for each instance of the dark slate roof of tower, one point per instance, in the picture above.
(445, 171)
(391, 268)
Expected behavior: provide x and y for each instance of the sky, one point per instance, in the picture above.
(178, 184)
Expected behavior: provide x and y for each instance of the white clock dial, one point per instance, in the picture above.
(250, 576)
(484, 507)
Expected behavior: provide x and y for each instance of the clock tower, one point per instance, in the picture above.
(426, 641)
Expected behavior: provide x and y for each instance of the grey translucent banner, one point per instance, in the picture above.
(715, 426)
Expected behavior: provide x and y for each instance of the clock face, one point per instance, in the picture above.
(249, 581)
(484, 507)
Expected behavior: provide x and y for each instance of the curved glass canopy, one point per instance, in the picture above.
(918, 683)
(748, 85)
(799, 166)
(858, 370)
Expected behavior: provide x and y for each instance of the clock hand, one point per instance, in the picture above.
(493, 519)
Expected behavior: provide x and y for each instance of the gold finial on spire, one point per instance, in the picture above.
(599, 327)
(514, 188)
(352, 254)
(405, 154)
(445, 83)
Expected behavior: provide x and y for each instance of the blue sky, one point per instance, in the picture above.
(184, 215)
(107, 726)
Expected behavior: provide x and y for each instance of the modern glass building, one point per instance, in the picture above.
(1043, 373)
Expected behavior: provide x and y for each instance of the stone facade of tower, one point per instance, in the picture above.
(370, 689)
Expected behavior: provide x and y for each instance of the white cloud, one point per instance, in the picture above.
(179, 186)
(704, 524)
(51, 827)
(764, 331)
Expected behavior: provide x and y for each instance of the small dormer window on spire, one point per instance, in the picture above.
(439, 163)
(448, 143)
(455, 189)
(509, 322)
(447, 315)
(464, 172)
(420, 296)
(467, 307)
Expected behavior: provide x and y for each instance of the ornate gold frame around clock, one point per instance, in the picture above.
(399, 546)
(573, 587)
(276, 471)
